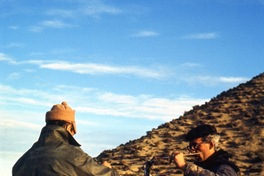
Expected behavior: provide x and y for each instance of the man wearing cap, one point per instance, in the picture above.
(57, 153)
(211, 161)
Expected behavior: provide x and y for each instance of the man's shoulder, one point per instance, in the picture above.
(226, 168)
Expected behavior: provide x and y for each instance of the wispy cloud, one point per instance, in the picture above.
(92, 68)
(97, 102)
(56, 24)
(9, 123)
(6, 58)
(61, 13)
(32, 97)
(146, 107)
(201, 36)
(214, 80)
(191, 65)
(95, 68)
(95, 8)
(86, 8)
(157, 72)
(13, 76)
(13, 27)
(110, 97)
(232, 79)
(14, 45)
(146, 34)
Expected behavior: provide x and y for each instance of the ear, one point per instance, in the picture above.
(211, 145)
(69, 128)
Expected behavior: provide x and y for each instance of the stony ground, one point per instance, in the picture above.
(238, 115)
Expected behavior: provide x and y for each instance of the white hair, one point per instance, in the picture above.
(214, 138)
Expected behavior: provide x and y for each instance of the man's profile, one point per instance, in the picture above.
(211, 160)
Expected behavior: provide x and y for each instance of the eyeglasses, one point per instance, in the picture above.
(194, 146)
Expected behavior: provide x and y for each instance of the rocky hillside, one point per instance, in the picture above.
(238, 115)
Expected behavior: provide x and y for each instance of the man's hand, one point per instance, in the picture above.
(179, 160)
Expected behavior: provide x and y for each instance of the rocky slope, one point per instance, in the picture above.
(238, 115)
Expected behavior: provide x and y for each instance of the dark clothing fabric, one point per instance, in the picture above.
(215, 160)
(217, 164)
(58, 153)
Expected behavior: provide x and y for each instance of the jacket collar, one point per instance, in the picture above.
(54, 132)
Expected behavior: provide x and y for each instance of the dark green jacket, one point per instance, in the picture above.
(58, 153)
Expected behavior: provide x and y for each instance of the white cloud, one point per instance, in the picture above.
(146, 34)
(87, 123)
(55, 24)
(86, 8)
(233, 79)
(14, 123)
(28, 97)
(142, 106)
(202, 36)
(143, 72)
(13, 76)
(92, 68)
(5, 58)
(214, 80)
(14, 45)
(92, 101)
(191, 64)
(7, 161)
(14, 27)
(114, 98)
(101, 110)
(95, 8)
(61, 13)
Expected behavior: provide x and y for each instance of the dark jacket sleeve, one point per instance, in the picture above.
(222, 170)
(85, 165)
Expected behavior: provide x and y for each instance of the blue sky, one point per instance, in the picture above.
(124, 66)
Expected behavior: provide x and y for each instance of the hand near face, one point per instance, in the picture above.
(179, 159)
